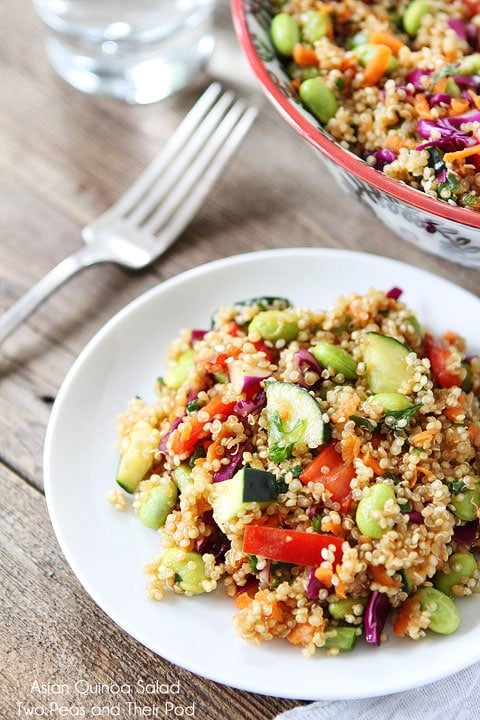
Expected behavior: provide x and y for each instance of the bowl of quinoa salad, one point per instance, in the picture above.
(387, 92)
(287, 497)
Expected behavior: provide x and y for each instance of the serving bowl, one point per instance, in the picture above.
(447, 230)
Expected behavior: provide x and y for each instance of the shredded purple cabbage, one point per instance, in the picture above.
(247, 407)
(251, 380)
(418, 77)
(375, 616)
(394, 293)
(227, 471)
(451, 137)
(198, 334)
(313, 586)
(383, 157)
(467, 81)
(459, 26)
(305, 357)
(216, 544)
(162, 445)
(414, 517)
(439, 99)
(467, 533)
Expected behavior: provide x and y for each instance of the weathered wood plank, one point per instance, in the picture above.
(52, 634)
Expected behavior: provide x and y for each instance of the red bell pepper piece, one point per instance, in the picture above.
(338, 478)
(440, 356)
(290, 546)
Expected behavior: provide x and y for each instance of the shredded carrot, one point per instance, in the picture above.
(456, 413)
(395, 143)
(348, 62)
(243, 600)
(407, 611)
(473, 432)
(458, 106)
(377, 66)
(304, 55)
(424, 471)
(329, 526)
(475, 98)
(422, 107)
(420, 438)
(324, 575)
(383, 37)
(460, 154)
(451, 337)
(301, 634)
(381, 576)
(372, 462)
(340, 590)
(346, 408)
(350, 447)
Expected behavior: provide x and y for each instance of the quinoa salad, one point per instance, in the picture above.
(320, 468)
(397, 83)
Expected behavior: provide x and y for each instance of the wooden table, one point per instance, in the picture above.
(64, 158)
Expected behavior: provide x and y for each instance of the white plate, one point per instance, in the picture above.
(107, 549)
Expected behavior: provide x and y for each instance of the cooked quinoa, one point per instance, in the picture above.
(402, 85)
(323, 467)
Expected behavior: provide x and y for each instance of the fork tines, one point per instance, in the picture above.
(172, 188)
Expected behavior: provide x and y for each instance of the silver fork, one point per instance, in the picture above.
(150, 216)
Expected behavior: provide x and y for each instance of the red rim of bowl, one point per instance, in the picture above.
(334, 152)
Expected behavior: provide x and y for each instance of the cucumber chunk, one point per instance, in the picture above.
(138, 458)
(248, 485)
(294, 417)
(385, 360)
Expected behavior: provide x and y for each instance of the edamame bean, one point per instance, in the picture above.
(275, 325)
(466, 504)
(284, 33)
(179, 371)
(315, 24)
(392, 401)
(371, 503)
(462, 567)
(183, 476)
(444, 616)
(337, 358)
(158, 503)
(188, 567)
(470, 65)
(319, 99)
(412, 17)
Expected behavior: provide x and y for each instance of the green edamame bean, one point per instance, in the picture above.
(372, 502)
(462, 567)
(467, 503)
(412, 17)
(178, 373)
(337, 358)
(392, 401)
(319, 99)
(189, 569)
(275, 325)
(158, 503)
(284, 33)
(444, 616)
(183, 476)
(315, 24)
(470, 65)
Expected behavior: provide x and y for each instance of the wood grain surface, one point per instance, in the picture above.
(64, 158)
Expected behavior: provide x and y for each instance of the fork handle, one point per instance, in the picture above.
(65, 269)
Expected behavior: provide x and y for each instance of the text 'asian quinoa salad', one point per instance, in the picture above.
(324, 466)
(397, 83)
